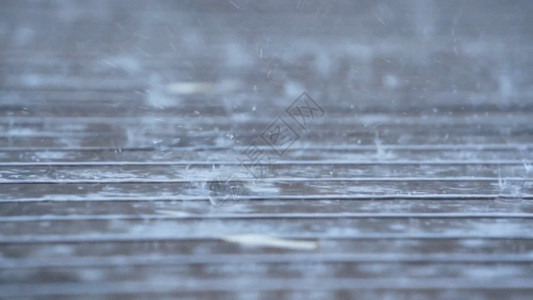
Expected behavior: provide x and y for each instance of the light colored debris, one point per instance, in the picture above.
(172, 212)
(256, 240)
(188, 88)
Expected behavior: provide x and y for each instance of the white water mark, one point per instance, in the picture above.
(512, 184)
(225, 190)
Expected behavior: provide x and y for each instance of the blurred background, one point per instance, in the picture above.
(416, 181)
(171, 59)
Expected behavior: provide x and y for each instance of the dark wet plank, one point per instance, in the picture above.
(269, 209)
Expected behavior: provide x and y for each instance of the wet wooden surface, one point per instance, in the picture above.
(415, 183)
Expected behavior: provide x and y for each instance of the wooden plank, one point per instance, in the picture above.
(495, 154)
(466, 248)
(116, 269)
(269, 209)
(129, 139)
(305, 209)
(140, 173)
(154, 286)
(358, 188)
(310, 229)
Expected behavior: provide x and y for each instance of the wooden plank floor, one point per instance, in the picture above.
(411, 177)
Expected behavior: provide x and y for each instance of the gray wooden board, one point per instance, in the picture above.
(116, 118)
